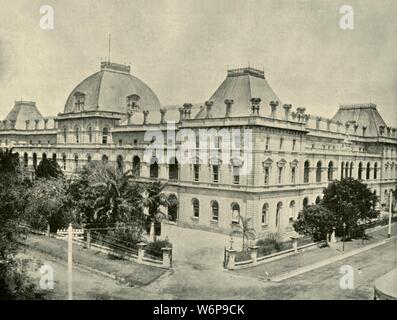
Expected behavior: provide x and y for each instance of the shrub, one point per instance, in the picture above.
(154, 248)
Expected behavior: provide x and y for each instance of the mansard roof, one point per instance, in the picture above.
(364, 115)
(21, 112)
(241, 85)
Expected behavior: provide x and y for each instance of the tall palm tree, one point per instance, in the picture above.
(153, 199)
(118, 193)
(244, 228)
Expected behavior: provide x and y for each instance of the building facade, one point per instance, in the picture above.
(291, 156)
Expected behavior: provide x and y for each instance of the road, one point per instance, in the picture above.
(198, 279)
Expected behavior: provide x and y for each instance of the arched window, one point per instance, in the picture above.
(235, 213)
(318, 200)
(89, 134)
(265, 213)
(89, 158)
(342, 170)
(120, 163)
(330, 171)
(291, 211)
(77, 134)
(105, 159)
(65, 134)
(25, 159)
(306, 171)
(375, 170)
(154, 168)
(215, 210)
(136, 166)
(305, 202)
(368, 173)
(360, 171)
(105, 135)
(172, 207)
(279, 214)
(54, 156)
(35, 160)
(351, 169)
(318, 171)
(173, 169)
(347, 170)
(64, 161)
(196, 208)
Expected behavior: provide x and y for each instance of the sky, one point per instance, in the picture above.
(183, 48)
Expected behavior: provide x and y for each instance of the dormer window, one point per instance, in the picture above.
(133, 103)
(79, 100)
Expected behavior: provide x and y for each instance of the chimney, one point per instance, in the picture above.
(273, 105)
(294, 115)
(255, 106)
(388, 131)
(355, 128)
(36, 124)
(228, 103)
(181, 114)
(381, 130)
(364, 129)
(129, 115)
(208, 105)
(287, 110)
(329, 121)
(13, 124)
(27, 124)
(145, 115)
(45, 124)
(318, 120)
(347, 126)
(187, 109)
(163, 111)
(338, 124)
(5, 122)
(306, 117)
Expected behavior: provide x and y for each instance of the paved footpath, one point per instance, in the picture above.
(315, 258)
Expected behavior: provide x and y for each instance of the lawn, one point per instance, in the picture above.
(131, 272)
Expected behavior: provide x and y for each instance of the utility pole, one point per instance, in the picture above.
(70, 262)
(390, 207)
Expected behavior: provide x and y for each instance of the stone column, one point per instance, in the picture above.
(228, 103)
(254, 255)
(167, 257)
(232, 257)
(141, 251)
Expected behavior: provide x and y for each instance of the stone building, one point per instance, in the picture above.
(113, 116)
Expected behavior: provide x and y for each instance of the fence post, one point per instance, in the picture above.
(166, 257)
(294, 244)
(231, 260)
(333, 238)
(88, 239)
(141, 251)
(48, 230)
(254, 254)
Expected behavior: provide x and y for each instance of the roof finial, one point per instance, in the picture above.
(110, 45)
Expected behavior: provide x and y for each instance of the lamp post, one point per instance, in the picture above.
(390, 209)
(344, 235)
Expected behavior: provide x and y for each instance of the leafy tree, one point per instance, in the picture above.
(153, 199)
(244, 228)
(315, 221)
(351, 202)
(48, 168)
(49, 204)
(14, 283)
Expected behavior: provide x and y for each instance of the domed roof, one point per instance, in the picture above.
(241, 85)
(112, 89)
